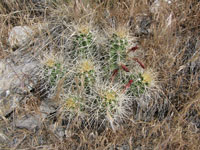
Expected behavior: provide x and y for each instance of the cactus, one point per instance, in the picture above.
(93, 91)
(117, 51)
(83, 42)
(52, 70)
(53, 73)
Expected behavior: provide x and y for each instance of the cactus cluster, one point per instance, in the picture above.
(92, 91)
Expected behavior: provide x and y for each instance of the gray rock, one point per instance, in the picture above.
(15, 74)
(15, 81)
(143, 23)
(3, 138)
(5, 93)
(9, 103)
(29, 122)
(157, 5)
(45, 109)
(59, 131)
(124, 147)
(20, 35)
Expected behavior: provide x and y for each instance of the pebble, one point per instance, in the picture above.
(20, 35)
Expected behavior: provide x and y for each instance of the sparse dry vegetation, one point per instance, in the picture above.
(109, 74)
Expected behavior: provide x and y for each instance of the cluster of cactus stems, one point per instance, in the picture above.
(83, 43)
(53, 71)
(84, 96)
(117, 62)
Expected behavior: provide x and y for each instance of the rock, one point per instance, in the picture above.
(3, 138)
(32, 122)
(45, 109)
(9, 103)
(59, 131)
(4, 75)
(123, 147)
(29, 122)
(16, 74)
(16, 80)
(157, 4)
(143, 23)
(150, 106)
(20, 35)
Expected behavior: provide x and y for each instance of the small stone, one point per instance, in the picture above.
(3, 138)
(143, 23)
(156, 6)
(12, 75)
(5, 94)
(123, 147)
(20, 35)
(8, 104)
(2, 67)
(46, 109)
(59, 131)
(28, 122)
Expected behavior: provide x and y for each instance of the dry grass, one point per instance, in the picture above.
(172, 50)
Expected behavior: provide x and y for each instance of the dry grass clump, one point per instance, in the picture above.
(120, 74)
